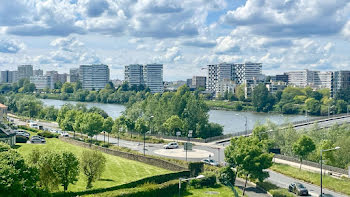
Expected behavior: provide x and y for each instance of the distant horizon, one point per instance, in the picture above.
(184, 36)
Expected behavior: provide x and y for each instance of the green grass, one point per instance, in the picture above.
(118, 170)
(338, 185)
(219, 190)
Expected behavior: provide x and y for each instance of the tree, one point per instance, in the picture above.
(313, 106)
(249, 157)
(67, 88)
(92, 124)
(17, 178)
(173, 124)
(141, 126)
(130, 125)
(240, 93)
(68, 170)
(303, 147)
(68, 122)
(262, 99)
(341, 106)
(92, 164)
(79, 119)
(108, 125)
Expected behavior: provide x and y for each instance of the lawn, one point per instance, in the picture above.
(219, 190)
(338, 185)
(118, 170)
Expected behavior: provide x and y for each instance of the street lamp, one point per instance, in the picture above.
(336, 148)
(188, 139)
(144, 135)
(246, 123)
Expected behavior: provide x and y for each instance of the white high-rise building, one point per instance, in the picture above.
(25, 71)
(38, 72)
(93, 77)
(133, 74)
(73, 75)
(42, 82)
(247, 71)
(153, 77)
(314, 79)
(8, 76)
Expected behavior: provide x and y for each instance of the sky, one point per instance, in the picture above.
(184, 35)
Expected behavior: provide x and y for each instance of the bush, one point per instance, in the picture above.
(4, 147)
(28, 128)
(21, 139)
(281, 193)
(208, 181)
(227, 176)
(195, 168)
(47, 134)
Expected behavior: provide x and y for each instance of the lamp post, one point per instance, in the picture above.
(188, 139)
(144, 135)
(246, 123)
(336, 148)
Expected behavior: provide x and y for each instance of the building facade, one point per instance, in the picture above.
(25, 71)
(42, 82)
(314, 79)
(94, 77)
(199, 81)
(133, 74)
(153, 77)
(225, 85)
(73, 75)
(38, 72)
(8, 76)
(341, 80)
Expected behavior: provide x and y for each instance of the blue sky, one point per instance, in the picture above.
(183, 35)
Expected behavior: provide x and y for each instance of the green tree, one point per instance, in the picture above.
(67, 88)
(92, 164)
(240, 93)
(130, 125)
(249, 157)
(108, 125)
(341, 106)
(303, 147)
(69, 120)
(313, 106)
(92, 124)
(68, 169)
(78, 122)
(173, 124)
(17, 178)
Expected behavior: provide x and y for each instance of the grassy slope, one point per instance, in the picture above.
(118, 170)
(338, 185)
(220, 190)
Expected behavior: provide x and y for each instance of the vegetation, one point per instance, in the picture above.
(250, 158)
(340, 185)
(274, 190)
(217, 190)
(117, 171)
(303, 147)
(93, 164)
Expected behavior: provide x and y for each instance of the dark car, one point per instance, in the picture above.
(37, 139)
(298, 189)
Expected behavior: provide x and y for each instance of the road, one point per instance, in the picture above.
(325, 124)
(283, 181)
(217, 154)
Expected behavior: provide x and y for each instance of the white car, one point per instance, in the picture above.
(64, 134)
(210, 162)
(171, 145)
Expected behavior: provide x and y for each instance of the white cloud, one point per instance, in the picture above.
(11, 46)
(172, 54)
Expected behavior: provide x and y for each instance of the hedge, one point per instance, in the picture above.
(154, 179)
(208, 180)
(28, 128)
(47, 134)
(196, 168)
(281, 193)
(169, 188)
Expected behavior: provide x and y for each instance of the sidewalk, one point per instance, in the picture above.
(251, 190)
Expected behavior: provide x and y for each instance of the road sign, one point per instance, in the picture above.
(178, 133)
(188, 146)
(190, 132)
(190, 135)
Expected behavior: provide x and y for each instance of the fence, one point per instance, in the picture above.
(313, 164)
(144, 159)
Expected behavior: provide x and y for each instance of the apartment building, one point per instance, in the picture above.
(25, 71)
(94, 77)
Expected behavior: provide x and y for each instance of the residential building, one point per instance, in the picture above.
(314, 79)
(42, 82)
(25, 71)
(63, 78)
(153, 77)
(199, 81)
(283, 78)
(94, 77)
(8, 76)
(225, 85)
(73, 75)
(341, 80)
(189, 83)
(247, 71)
(133, 74)
(275, 86)
(38, 72)
(249, 86)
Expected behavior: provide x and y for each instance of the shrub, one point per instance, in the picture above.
(21, 139)
(4, 147)
(281, 193)
(47, 134)
(106, 145)
(227, 176)
(195, 168)
(28, 128)
(208, 180)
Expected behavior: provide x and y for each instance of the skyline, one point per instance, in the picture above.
(184, 36)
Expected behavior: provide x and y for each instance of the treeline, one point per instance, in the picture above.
(171, 112)
(45, 170)
(292, 100)
(307, 144)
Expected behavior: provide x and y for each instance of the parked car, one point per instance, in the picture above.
(37, 139)
(23, 133)
(171, 145)
(210, 162)
(64, 134)
(298, 189)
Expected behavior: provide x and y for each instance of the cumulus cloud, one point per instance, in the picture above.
(172, 54)
(11, 46)
(199, 42)
(290, 18)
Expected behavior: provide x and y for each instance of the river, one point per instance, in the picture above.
(232, 121)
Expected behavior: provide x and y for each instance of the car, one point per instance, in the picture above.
(298, 189)
(37, 139)
(171, 145)
(23, 133)
(64, 134)
(210, 162)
